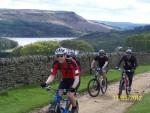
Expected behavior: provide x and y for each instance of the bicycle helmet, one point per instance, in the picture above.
(128, 51)
(70, 53)
(101, 52)
(60, 51)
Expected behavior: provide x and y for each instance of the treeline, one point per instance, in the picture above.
(7, 44)
(109, 41)
(140, 43)
(49, 47)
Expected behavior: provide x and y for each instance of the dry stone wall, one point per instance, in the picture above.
(34, 69)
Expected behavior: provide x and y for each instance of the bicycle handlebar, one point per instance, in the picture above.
(119, 69)
(48, 88)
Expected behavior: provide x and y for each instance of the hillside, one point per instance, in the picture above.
(120, 25)
(7, 44)
(42, 23)
(109, 41)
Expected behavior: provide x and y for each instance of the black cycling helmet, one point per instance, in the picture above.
(101, 52)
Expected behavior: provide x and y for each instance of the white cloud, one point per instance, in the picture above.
(112, 10)
(5, 3)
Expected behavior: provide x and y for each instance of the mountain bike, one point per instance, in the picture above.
(60, 104)
(97, 83)
(124, 83)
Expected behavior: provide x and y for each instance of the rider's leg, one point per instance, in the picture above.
(130, 77)
(72, 97)
(104, 74)
(61, 88)
(105, 70)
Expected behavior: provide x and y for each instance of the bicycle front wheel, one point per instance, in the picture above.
(93, 87)
(121, 88)
(103, 85)
(77, 104)
(54, 108)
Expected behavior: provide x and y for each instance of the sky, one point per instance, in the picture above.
(136, 11)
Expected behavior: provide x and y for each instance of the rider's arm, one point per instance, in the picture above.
(94, 61)
(53, 73)
(93, 64)
(77, 74)
(136, 64)
(76, 82)
(105, 65)
(50, 79)
(120, 61)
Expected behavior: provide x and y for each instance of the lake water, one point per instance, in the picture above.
(24, 41)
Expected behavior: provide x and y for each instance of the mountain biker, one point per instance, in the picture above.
(70, 76)
(130, 63)
(71, 54)
(102, 61)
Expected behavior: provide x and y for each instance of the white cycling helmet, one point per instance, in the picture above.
(101, 52)
(128, 51)
(60, 51)
(70, 53)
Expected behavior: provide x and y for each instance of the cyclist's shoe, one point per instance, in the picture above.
(129, 89)
(74, 110)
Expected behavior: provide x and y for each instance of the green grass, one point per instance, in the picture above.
(141, 106)
(24, 99)
(142, 69)
(114, 75)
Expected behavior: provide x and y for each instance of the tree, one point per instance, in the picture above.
(77, 45)
(37, 48)
(140, 42)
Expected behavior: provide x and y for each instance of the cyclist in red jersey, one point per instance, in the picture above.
(70, 75)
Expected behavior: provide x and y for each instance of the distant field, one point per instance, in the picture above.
(25, 99)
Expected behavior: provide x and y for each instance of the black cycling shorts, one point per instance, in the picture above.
(67, 83)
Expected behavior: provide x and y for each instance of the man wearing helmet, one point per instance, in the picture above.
(129, 63)
(102, 61)
(70, 75)
(71, 55)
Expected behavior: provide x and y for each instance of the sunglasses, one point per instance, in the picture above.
(68, 56)
(59, 56)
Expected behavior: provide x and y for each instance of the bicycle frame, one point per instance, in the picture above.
(57, 100)
(125, 78)
(124, 83)
(98, 73)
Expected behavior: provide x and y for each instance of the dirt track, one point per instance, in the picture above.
(107, 103)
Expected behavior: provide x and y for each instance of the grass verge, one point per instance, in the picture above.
(141, 106)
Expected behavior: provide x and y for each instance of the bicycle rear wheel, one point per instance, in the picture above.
(93, 87)
(127, 90)
(103, 85)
